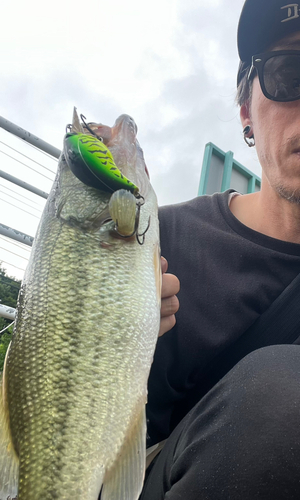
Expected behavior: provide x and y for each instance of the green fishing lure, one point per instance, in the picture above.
(93, 164)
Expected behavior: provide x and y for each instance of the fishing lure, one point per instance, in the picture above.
(93, 164)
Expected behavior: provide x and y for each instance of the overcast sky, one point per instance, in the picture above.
(171, 64)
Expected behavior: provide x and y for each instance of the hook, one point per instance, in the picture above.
(83, 118)
(136, 224)
(143, 234)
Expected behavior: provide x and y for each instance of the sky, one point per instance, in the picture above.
(170, 64)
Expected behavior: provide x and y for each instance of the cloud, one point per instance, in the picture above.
(43, 105)
(197, 107)
(170, 64)
(181, 92)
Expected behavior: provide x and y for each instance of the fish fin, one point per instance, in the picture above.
(9, 464)
(95, 484)
(153, 451)
(125, 479)
(122, 208)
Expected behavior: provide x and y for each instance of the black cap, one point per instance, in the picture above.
(262, 23)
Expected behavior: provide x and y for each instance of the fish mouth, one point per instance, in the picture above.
(102, 132)
(125, 125)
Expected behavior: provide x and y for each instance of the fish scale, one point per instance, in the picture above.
(77, 368)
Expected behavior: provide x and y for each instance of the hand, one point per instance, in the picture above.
(169, 301)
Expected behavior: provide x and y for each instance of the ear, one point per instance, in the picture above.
(245, 115)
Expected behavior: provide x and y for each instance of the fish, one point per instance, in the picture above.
(74, 386)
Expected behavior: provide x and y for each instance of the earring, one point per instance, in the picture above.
(250, 141)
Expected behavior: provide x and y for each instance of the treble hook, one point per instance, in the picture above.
(83, 118)
(137, 220)
(143, 234)
(136, 224)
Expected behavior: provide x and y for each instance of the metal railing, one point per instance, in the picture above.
(7, 312)
(29, 137)
(15, 234)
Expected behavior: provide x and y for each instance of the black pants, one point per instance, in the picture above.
(242, 440)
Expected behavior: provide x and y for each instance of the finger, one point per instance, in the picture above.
(166, 324)
(164, 265)
(169, 306)
(170, 285)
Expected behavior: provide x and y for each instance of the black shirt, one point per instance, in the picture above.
(229, 275)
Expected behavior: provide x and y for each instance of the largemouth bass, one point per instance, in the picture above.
(72, 407)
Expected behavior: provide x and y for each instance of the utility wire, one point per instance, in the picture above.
(28, 157)
(17, 287)
(27, 165)
(6, 283)
(9, 240)
(33, 215)
(6, 328)
(9, 251)
(21, 269)
(10, 284)
(20, 201)
(22, 196)
(13, 286)
(33, 146)
(6, 278)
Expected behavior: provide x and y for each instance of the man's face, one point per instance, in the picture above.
(276, 128)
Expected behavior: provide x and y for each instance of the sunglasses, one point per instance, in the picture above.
(278, 73)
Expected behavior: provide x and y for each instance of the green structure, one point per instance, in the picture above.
(220, 171)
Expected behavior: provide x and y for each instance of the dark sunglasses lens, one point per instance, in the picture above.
(282, 77)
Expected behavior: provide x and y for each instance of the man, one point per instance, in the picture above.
(238, 437)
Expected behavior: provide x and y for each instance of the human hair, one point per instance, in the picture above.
(244, 89)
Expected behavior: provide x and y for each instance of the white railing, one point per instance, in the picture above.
(6, 231)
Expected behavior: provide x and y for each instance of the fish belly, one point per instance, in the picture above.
(78, 365)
